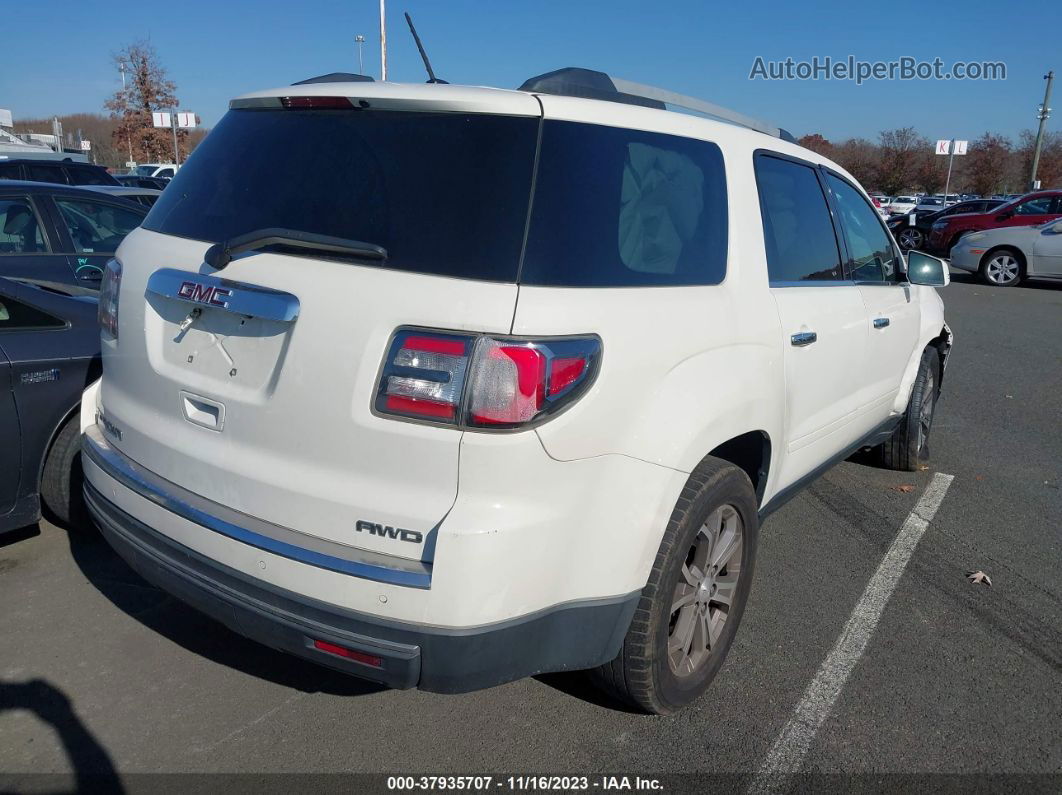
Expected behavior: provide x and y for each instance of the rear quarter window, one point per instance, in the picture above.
(615, 207)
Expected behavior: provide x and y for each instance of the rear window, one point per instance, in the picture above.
(449, 193)
(616, 207)
(88, 176)
(444, 193)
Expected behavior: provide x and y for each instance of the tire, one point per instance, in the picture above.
(910, 237)
(909, 444)
(653, 672)
(62, 478)
(1002, 267)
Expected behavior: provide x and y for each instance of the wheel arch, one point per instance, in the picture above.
(1022, 259)
(750, 452)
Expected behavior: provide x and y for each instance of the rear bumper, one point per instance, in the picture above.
(566, 637)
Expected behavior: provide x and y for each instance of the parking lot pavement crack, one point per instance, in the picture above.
(249, 724)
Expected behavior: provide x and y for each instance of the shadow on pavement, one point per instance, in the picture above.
(965, 277)
(93, 770)
(174, 620)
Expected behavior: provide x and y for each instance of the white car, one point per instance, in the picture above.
(902, 205)
(1005, 256)
(164, 170)
(445, 386)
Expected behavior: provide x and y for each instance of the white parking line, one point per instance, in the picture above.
(787, 754)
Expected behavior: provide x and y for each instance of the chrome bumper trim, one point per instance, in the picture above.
(250, 530)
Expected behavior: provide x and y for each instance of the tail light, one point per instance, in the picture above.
(110, 287)
(474, 381)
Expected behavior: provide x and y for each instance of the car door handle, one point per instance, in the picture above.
(803, 339)
(881, 322)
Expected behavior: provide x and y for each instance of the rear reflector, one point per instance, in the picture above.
(316, 103)
(350, 654)
(510, 382)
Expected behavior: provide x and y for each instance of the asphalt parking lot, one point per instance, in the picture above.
(100, 672)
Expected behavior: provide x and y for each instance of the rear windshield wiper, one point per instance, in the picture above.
(220, 254)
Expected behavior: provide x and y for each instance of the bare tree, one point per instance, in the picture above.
(147, 90)
(898, 155)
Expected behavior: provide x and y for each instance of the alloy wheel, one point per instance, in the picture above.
(705, 592)
(1002, 269)
(910, 238)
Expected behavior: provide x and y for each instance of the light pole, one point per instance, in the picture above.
(383, 42)
(128, 131)
(1045, 112)
(360, 40)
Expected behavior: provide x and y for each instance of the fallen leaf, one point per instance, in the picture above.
(906, 488)
(979, 577)
(923, 467)
(979, 477)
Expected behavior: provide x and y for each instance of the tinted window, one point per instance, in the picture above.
(616, 207)
(872, 257)
(166, 172)
(1041, 206)
(88, 176)
(97, 227)
(41, 172)
(15, 315)
(10, 171)
(797, 230)
(20, 230)
(444, 193)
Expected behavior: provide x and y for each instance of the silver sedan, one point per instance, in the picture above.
(1005, 256)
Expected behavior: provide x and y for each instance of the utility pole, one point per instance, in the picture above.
(128, 131)
(1045, 112)
(383, 41)
(360, 40)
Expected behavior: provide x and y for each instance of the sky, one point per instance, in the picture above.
(217, 49)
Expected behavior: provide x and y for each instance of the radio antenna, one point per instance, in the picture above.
(424, 56)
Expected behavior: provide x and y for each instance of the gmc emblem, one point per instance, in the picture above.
(385, 531)
(204, 294)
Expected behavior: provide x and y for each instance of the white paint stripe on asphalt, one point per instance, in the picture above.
(787, 754)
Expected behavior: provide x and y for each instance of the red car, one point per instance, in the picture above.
(1027, 210)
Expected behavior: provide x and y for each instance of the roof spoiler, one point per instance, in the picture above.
(573, 81)
(336, 77)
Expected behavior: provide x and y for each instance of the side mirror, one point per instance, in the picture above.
(924, 269)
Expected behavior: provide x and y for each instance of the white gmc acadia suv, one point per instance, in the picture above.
(446, 386)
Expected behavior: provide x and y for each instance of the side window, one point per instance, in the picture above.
(797, 229)
(166, 172)
(86, 176)
(616, 207)
(20, 230)
(16, 316)
(97, 227)
(1041, 206)
(10, 171)
(873, 258)
(45, 172)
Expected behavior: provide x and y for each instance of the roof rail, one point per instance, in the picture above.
(574, 81)
(336, 77)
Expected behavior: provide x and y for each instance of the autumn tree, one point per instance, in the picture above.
(859, 157)
(898, 153)
(147, 90)
(987, 164)
(930, 172)
(816, 143)
(1049, 169)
